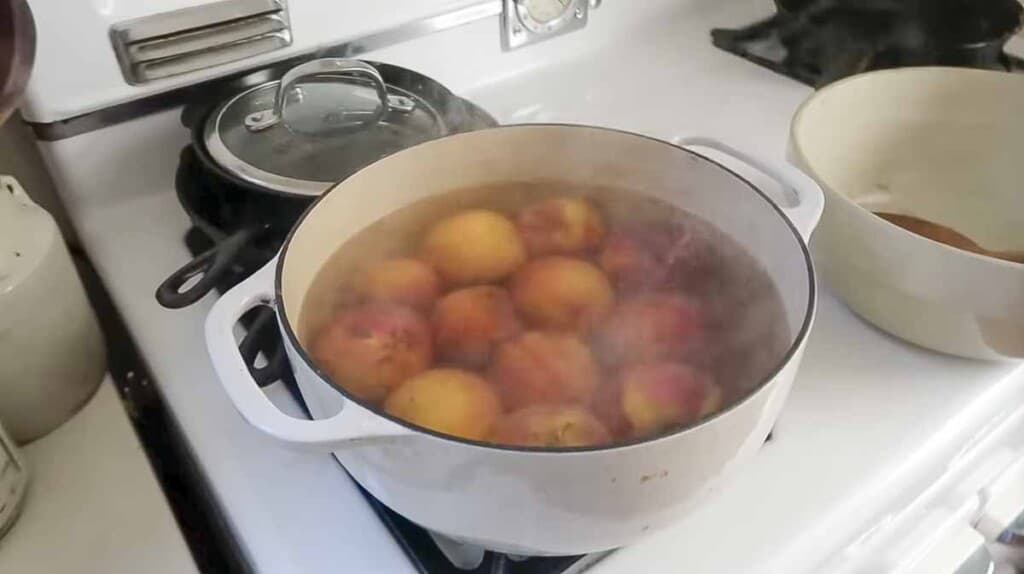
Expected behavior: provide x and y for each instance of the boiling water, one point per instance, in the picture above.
(746, 320)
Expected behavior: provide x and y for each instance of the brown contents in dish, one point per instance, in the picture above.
(543, 315)
(946, 235)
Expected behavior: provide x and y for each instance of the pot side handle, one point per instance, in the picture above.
(810, 201)
(352, 425)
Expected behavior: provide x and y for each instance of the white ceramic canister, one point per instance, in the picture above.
(52, 353)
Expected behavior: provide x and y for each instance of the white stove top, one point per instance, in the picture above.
(870, 423)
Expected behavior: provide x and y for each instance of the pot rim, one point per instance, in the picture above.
(795, 346)
(798, 154)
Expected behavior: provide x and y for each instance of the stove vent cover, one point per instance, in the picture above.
(198, 37)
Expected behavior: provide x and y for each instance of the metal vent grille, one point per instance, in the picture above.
(172, 43)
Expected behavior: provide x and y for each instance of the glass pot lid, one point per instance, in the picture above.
(321, 122)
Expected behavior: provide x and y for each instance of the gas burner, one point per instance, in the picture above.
(432, 553)
(819, 41)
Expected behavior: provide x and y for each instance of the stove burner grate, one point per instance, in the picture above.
(819, 41)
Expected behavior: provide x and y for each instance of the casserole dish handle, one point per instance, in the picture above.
(803, 212)
(352, 425)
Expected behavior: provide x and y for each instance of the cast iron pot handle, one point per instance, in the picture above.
(350, 426)
(212, 264)
(264, 326)
(805, 212)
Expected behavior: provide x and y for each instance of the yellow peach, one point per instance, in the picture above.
(406, 281)
(550, 425)
(565, 293)
(451, 401)
(474, 246)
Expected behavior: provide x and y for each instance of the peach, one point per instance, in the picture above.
(560, 225)
(450, 401)
(371, 349)
(659, 255)
(713, 400)
(550, 425)
(565, 293)
(474, 246)
(630, 264)
(544, 367)
(406, 281)
(656, 396)
(470, 322)
(607, 406)
(652, 327)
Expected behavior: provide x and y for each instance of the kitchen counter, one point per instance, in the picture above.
(93, 503)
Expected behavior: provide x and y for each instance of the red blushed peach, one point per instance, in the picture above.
(544, 367)
(631, 265)
(658, 256)
(562, 293)
(451, 401)
(656, 396)
(470, 322)
(651, 328)
(560, 225)
(405, 281)
(550, 425)
(371, 349)
(474, 246)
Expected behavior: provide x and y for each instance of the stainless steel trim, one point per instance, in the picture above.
(147, 71)
(519, 28)
(119, 113)
(198, 37)
(192, 18)
(417, 28)
(205, 39)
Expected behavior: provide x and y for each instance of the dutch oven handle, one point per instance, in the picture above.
(211, 265)
(805, 212)
(352, 425)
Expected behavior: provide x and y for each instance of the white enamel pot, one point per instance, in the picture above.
(942, 144)
(521, 500)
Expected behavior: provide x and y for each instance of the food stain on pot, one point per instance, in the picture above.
(649, 477)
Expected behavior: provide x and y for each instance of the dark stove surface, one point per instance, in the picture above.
(428, 558)
(819, 41)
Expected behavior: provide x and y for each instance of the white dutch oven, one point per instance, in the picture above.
(942, 144)
(521, 500)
